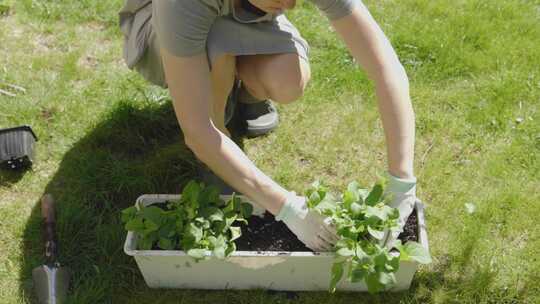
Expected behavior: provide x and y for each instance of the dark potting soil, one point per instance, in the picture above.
(265, 234)
(410, 231)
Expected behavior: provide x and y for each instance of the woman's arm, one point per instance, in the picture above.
(190, 86)
(189, 83)
(370, 47)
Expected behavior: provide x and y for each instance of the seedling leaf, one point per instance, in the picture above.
(247, 210)
(377, 234)
(236, 232)
(128, 214)
(194, 232)
(415, 252)
(375, 195)
(135, 224)
(152, 213)
(198, 254)
(165, 244)
(358, 274)
(345, 252)
(337, 273)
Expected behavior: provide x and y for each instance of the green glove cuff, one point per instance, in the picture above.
(401, 185)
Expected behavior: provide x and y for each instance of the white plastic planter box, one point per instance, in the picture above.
(288, 271)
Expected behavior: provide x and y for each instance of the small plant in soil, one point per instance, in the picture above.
(361, 217)
(198, 222)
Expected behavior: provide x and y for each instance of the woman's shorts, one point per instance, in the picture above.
(230, 37)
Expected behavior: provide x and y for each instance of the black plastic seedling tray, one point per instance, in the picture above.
(17, 147)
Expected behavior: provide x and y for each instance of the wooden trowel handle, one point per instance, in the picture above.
(47, 208)
(49, 231)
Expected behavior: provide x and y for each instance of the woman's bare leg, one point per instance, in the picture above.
(222, 77)
(279, 77)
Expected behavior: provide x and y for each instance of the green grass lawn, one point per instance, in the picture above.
(107, 137)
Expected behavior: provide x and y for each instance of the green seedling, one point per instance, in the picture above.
(361, 218)
(198, 223)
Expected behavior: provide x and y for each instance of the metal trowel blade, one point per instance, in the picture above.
(51, 283)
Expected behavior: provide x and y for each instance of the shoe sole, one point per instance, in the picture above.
(260, 131)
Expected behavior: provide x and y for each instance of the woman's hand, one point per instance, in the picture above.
(311, 228)
(402, 193)
(274, 6)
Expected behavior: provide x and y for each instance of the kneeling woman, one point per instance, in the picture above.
(199, 48)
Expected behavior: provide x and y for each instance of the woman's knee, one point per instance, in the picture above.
(289, 82)
(282, 78)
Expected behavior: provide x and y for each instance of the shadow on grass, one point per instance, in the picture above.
(132, 152)
(8, 177)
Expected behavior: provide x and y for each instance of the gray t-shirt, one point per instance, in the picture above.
(183, 25)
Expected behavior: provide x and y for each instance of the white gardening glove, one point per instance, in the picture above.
(402, 193)
(311, 228)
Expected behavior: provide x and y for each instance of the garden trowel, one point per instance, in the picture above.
(51, 281)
